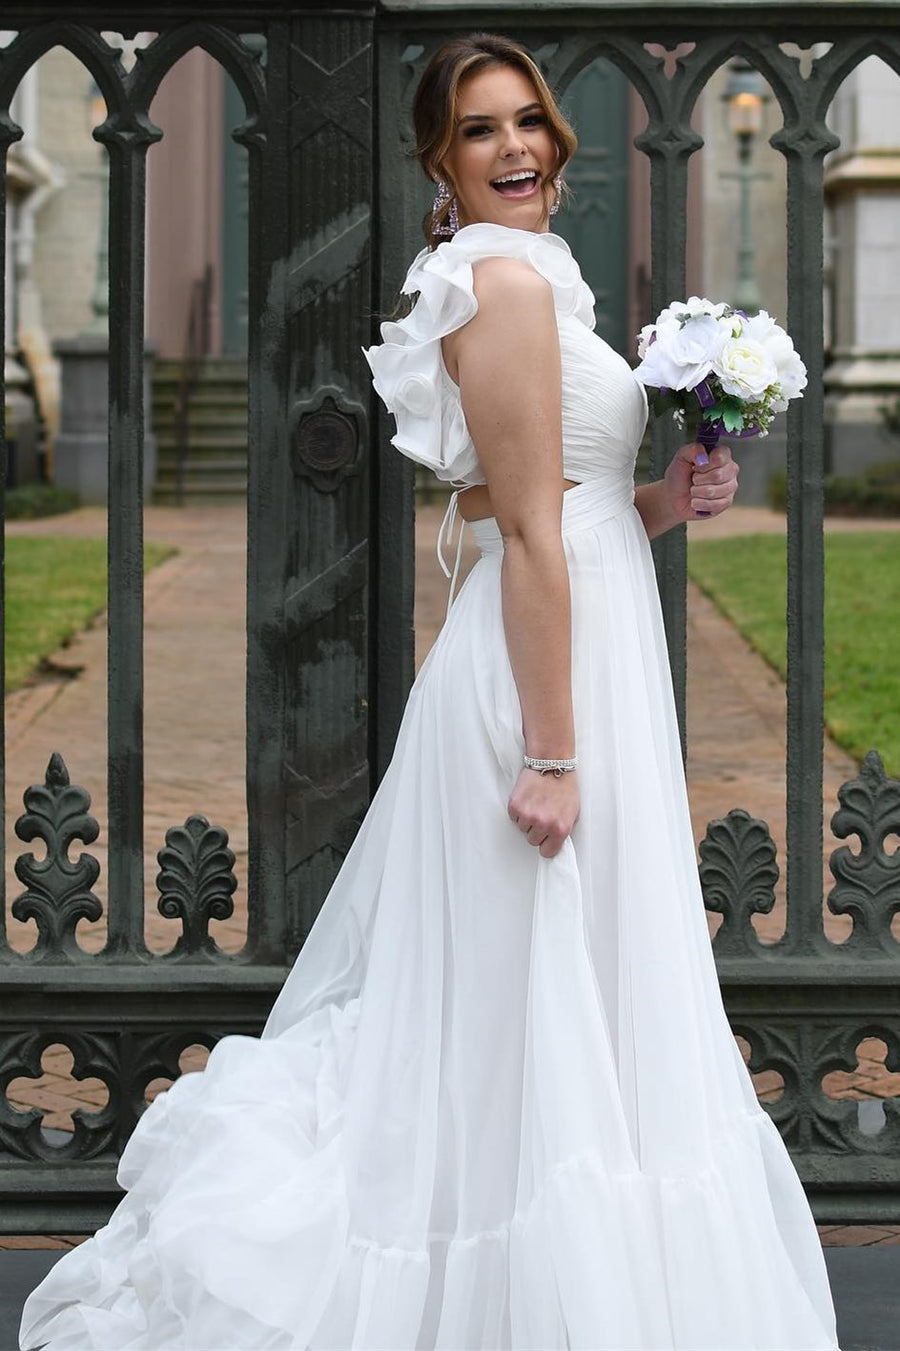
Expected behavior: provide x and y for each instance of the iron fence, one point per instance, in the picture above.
(330, 569)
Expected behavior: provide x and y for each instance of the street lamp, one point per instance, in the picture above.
(745, 95)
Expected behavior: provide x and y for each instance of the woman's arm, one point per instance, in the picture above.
(508, 361)
(693, 489)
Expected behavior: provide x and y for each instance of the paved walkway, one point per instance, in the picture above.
(194, 713)
(194, 656)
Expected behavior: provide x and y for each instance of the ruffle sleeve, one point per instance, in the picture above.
(407, 366)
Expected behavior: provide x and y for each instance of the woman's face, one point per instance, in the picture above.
(501, 129)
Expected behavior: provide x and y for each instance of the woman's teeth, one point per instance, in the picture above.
(520, 184)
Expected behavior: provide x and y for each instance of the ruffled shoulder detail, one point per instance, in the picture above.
(407, 367)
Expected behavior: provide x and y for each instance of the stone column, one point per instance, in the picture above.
(862, 184)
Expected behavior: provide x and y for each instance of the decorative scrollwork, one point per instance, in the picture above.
(196, 882)
(59, 889)
(804, 1053)
(738, 873)
(867, 884)
(94, 1133)
(156, 1057)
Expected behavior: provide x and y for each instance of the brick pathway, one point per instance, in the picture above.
(194, 714)
(195, 743)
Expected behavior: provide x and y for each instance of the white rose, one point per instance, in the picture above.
(695, 306)
(682, 355)
(791, 369)
(643, 341)
(731, 326)
(417, 395)
(745, 368)
(761, 327)
(700, 305)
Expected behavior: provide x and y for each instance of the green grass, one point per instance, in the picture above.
(54, 588)
(746, 578)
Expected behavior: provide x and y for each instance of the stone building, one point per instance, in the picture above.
(862, 183)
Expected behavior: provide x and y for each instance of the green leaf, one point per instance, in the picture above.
(733, 418)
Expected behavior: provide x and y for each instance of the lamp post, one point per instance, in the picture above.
(745, 95)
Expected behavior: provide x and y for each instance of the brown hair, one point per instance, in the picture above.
(437, 100)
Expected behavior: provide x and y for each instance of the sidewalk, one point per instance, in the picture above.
(194, 714)
(194, 732)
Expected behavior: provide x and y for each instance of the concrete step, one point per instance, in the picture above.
(203, 473)
(211, 395)
(215, 458)
(204, 419)
(865, 1283)
(219, 368)
(201, 440)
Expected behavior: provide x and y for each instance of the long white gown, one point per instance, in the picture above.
(497, 1103)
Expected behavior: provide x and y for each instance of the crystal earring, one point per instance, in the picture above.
(557, 183)
(451, 225)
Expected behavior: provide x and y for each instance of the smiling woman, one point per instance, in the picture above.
(504, 146)
(497, 1103)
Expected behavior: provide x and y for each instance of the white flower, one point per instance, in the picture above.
(791, 370)
(417, 395)
(791, 377)
(761, 326)
(745, 368)
(644, 337)
(732, 326)
(695, 306)
(683, 353)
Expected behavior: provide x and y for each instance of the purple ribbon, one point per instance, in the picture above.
(708, 433)
(705, 396)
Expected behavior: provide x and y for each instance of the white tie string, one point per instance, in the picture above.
(447, 527)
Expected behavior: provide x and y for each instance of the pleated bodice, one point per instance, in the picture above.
(604, 408)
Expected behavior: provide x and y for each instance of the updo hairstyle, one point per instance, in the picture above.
(437, 101)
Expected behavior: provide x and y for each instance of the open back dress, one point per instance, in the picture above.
(497, 1103)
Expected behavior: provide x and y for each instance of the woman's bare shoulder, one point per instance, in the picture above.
(508, 291)
(500, 275)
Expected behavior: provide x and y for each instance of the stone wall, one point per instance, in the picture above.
(65, 251)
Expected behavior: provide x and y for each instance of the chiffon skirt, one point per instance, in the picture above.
(497, 1103)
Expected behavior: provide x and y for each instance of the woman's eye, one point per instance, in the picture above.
(530, 120)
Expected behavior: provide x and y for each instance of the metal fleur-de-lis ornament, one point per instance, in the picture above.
(58, 893)
(196, 882)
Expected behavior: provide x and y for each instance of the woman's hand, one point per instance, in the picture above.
(545, 808)
(698, 486)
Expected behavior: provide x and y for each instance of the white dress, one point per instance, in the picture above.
(497, 1103)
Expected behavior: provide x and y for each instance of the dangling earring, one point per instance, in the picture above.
(557, 183)
(451, 225)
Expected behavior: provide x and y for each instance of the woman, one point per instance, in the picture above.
(497, 1103)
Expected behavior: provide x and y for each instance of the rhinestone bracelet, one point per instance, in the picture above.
(556, 767)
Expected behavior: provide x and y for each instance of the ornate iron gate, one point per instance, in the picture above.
(330, 513)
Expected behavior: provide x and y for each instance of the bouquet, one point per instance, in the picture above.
(719, 370)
